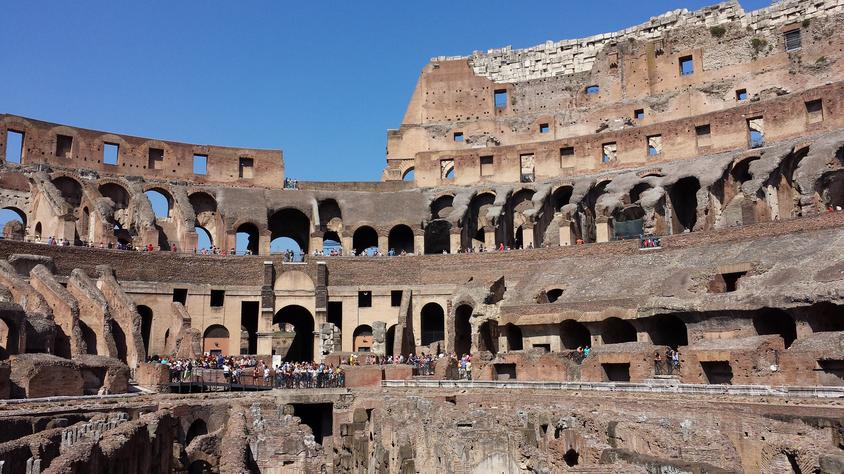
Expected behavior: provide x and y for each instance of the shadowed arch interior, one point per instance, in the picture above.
(302, 347)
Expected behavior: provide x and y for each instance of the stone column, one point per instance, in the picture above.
(264, 244)
(489, 238)
(454, 242)
(379, 338)
(602, 230)
(566, 237)
(347, 245)
(316, 244)
(383, 243)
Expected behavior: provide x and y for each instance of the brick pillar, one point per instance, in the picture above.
(419, 244)
(264, 244)
(489, 238)
(321, 305)
(316, 244)
(566, 237)
(265, 319)
(527, 236)
(383, 243)
(602, 230)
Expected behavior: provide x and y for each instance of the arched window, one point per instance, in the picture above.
(204, 240)
(197, 428)
(246, 239)
(117, 193)
(161, 202)
(438, 237)
(331, 241)
(289, 231)
(70, 190)
(574, 334)
(302, 347)
(409, 174)
(433, 323)
(13, 223)
(146, 325)
(400, 239)
(365, 239)
(515, 341)
(776, 322)
(216, 340)
(362, 338)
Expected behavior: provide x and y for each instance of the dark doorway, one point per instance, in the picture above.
(319, 417)
(249, 322)
(146, 325)
(616, 372)
(616, 331)
(462, 330)
(302, 348)
(514, 337)
(433, 323)
(776, 322)
(574, 334)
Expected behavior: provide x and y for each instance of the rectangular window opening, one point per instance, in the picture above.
(792, 40)
(616, 372)
(566, 153)
(500, 96)
(591, 90)
(487, 165)
(608, 152)
(814, 111)
(717, 372)
(687, 66)
(335, 313)
(756, 132)
(726, 282)
(245, 167)
(543, 347)
(14, 146)
(458, 136)
(639, 114)
(364, 299)
(200, 164)
(504, 371)
(544, 128)
(218, 297)
(395, 298)
(526, 162)
(155, 159)
(111, 151)
(703, 134)
(447, 169)
(741, 95)
(654, 145)
(64, 145)
(180, 295)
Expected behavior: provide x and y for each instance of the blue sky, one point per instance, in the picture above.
(321, 80)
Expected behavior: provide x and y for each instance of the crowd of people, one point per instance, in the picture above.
(249, 370)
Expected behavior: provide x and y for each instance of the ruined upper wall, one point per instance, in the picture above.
(571, 98)
(61, 146)
(555, 58)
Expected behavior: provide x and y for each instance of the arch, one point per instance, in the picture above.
(462, 329)
(519, 202)
(438, 237)
(830, 187)
(400, 239)
(442, 206)
(488, 337)
(364, 238)
(292, 224)
(571, 458)
(146, 325)
(70, 189)
(331, 240)
(117, 193)
(628, 222)
(667, 330)
(38, 229)
(637, 190)
(202, 202)
(199, 466)
(515, 340)
(329, 209)
(246, 239)
(13, 223)
(683, 195)
(197, 428)
(476, 219)
(161, 202)
(204, 239)
(302, 347)
(740, 171)
(616, 330)
(362, 338)
(776, 322)
(574, 334)
(432, 321)
(409, 174)
(215, 340)
(561, 197)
